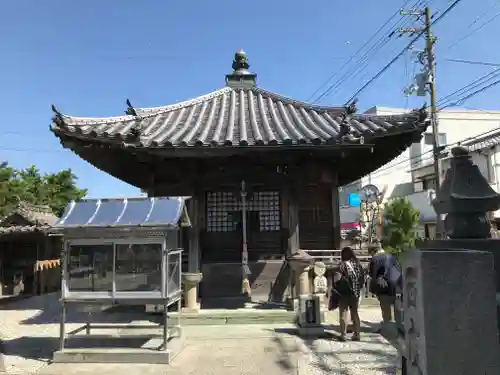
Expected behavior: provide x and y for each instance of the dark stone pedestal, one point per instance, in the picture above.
(450, 312)
(491, 245)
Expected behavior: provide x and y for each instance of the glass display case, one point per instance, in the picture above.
(121, 251)
(90, 268)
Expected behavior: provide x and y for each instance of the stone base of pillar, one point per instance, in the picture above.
(191, 281)
(303, 281)
(190, 310)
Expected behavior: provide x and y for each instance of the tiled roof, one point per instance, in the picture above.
(40, 218)
(480, 143)
(37, 215)
(233, 116)
(23, 229)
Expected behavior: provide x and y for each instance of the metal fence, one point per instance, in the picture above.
(332, 256)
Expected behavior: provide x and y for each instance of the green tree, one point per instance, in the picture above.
(400, 223)
(55, 190)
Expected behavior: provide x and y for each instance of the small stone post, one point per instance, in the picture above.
(191, 281)
(3, 366)
(300, 263)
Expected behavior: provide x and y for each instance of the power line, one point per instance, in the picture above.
(13, 149)
(445, 101)
(472, 62)
(466, 36)
(388, 169)
(441, 16)
(354, 54)
(337, 72)
(464, 99)
(468, 86)
(364, 62)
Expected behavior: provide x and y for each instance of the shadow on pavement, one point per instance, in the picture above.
(390, 332)
(101, 315)
(43, 348)
(39, 348)
(285, 355)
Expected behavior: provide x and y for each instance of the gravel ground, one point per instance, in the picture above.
(372, 356)
(30, 331)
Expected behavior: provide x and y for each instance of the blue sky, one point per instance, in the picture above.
(87, 57)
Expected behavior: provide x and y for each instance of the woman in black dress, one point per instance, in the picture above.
(349, 284)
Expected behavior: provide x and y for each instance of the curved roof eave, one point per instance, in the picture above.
(110, 159)
(233, 117)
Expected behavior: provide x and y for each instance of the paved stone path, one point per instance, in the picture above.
(30, 330)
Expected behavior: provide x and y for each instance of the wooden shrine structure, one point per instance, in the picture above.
(263, 172)
(29, 258)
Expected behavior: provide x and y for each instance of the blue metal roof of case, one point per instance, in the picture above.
(123, 212)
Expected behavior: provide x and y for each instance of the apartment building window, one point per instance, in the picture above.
(429, 183)
(415, 155)
(418, 186)
(428, 139)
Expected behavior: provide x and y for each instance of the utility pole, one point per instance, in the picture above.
(427, 58)
(431, 68)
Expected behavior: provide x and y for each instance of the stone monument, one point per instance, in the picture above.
(450, 317)
(321, 288)
(308, 303)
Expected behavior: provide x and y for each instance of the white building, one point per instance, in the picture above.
(411, 175)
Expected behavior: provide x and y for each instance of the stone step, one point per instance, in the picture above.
(239, 316)
(253, 314)
(268, 279)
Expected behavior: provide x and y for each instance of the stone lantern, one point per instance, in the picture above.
(466, 197)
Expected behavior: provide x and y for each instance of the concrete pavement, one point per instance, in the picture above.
(30, 330)
(255, 350)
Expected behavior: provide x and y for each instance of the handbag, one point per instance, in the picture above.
(333, 300)
(343, 286)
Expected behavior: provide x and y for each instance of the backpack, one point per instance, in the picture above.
(387, 282)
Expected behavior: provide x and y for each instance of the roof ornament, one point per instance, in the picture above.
(241, 77)
(136, 130)
(58, 117)
(130, 109)
(346, 133)
(240, 61)
(422, 113)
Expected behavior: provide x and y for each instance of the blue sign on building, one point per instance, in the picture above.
(354, 200)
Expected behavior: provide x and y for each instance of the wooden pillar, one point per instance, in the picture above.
(329, 177)
(192, 278)
(293, 221)
(336, 217)
(194, 235)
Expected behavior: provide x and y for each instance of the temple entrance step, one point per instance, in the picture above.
(249, 315)
(268, 282)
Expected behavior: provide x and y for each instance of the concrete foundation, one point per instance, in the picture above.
(151, 352)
